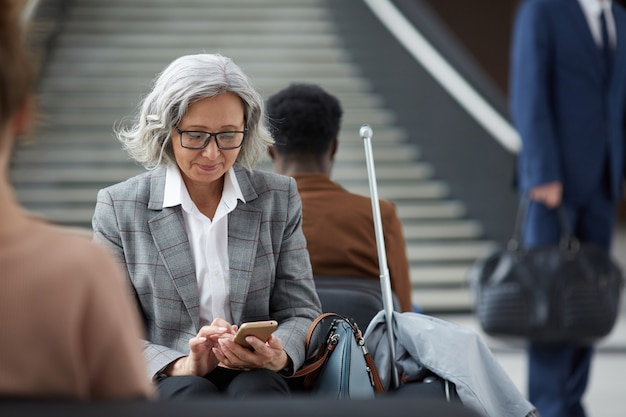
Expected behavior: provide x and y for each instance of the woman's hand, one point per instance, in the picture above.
(201, 359)
(267, 355)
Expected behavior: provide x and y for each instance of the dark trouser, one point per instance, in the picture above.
(558, 375)
(557, 378)
(224, 382)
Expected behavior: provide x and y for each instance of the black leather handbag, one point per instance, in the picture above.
(565, 293)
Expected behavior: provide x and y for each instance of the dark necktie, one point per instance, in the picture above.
(607, 53)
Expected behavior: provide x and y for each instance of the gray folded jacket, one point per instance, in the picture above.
(452, 352)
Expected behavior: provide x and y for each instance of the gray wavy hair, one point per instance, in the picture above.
(184, 81)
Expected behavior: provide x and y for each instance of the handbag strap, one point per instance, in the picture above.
(568, 241)
(378, 385)
(314, 325)
(315, 365)
(516, 239)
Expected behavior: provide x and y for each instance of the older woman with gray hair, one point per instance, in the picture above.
(207, 241)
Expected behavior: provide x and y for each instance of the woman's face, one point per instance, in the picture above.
(221, 113)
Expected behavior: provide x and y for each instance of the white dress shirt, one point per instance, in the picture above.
(208, 241)
(592, 10)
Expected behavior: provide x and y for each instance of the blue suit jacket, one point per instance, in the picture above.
(270, 272)
(568, 122)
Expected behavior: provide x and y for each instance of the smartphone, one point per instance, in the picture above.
(260, 329)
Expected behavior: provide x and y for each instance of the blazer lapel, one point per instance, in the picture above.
(168, 231)
(585, 37)
(619, 55)
(244, 225)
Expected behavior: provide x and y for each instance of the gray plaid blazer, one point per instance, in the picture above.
(270, 271)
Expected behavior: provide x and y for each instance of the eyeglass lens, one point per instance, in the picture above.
(200, 140)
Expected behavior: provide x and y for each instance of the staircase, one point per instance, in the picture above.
(107, 54)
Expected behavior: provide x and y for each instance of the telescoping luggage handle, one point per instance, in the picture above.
(385, 281)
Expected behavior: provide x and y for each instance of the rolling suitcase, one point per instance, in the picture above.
(429, 385)
(484, 384)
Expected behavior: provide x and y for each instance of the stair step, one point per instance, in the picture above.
(429, 210)
(131, 13)
(439, 275)
(424, 190)
(123, 40)
(63, 158)
(398, 171)
(96, 85)
(200, 6)
(68, 216)
(242, 54)
(442, 300)
(106, 102)
(123, 69)
(458, 229)
(102, 174)
(58, 196)
(467, 251)
(193, 25)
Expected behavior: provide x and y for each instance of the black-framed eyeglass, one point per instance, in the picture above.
(193, 139)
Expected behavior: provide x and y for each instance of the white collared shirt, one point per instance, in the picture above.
(592, 10)
(208, 241)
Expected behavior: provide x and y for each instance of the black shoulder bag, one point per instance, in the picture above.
(564, 293)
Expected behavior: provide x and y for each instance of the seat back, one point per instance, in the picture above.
(358, 298)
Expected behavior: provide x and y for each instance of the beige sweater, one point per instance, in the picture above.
(68, 328)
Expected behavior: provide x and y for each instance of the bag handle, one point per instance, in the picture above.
(568, 240)
(315, 365)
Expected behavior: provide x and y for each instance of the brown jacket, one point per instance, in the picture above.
(339, 229)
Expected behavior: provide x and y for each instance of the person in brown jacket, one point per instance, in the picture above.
(338, 225)
(68, 329)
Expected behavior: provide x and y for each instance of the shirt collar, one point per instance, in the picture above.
(176, 193)
(232, 191)
(594, 7)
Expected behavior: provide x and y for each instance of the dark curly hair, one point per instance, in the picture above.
(303, 119)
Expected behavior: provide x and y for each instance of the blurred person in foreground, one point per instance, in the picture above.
(207, 241)
(568, 101)
(338, 225)
(68, 327)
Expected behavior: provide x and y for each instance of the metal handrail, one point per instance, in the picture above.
(29, 10)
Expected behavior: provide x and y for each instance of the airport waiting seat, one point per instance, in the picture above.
(295, 405)
(358, 298)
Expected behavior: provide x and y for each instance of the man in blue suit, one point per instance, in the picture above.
(568, 98)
